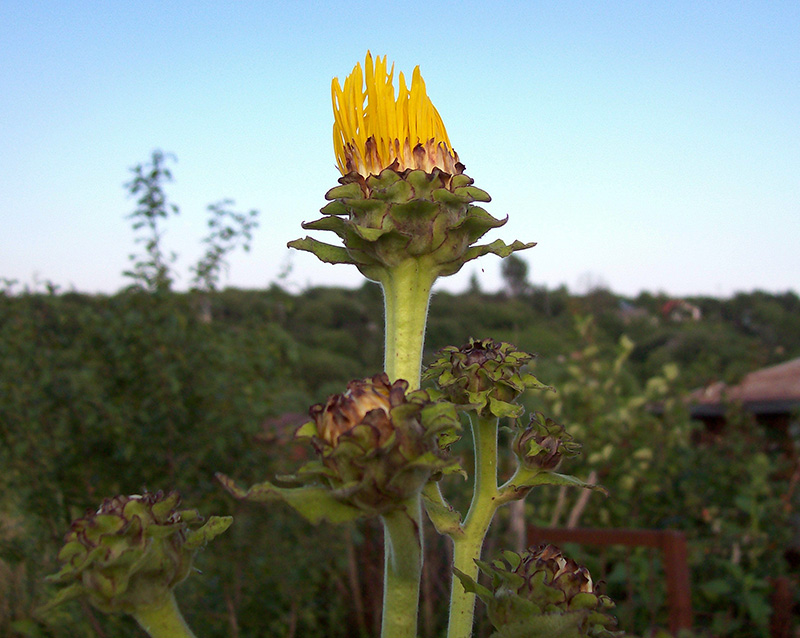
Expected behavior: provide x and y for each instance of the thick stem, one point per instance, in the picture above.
(163, 620)
(467, 548)
(402, 570)
(406, 294)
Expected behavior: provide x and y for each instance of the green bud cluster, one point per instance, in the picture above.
(385, 219)
(541, 593)
(132, 551)
(543, 443)
(486, 375)
(378, 444)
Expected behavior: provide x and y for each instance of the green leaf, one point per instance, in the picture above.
(307, 430)
(474, 193)
(473, 587)
(76, 590)
(347, 191)
(332, 223)
(316, 504)
(324, 252)
(444, 517)
(215, 526)
(527, 478)
(370, 234)
(498, 247)
(502, 409)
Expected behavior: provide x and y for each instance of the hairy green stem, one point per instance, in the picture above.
(402, 570)
(467, 547)
(406, 293)
(163, 620)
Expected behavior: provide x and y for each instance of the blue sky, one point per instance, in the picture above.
(645, 146)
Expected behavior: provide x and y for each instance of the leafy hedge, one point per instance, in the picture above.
(113, 394)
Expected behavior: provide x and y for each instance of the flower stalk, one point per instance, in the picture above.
(163, 620)
(467, 546)
(402, 570)
(407, 293)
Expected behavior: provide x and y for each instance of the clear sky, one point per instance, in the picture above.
(644, 145)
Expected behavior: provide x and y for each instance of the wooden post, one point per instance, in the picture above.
(780, 623)
(676, 570)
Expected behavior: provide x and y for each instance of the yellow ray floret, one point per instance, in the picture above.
(373, 129)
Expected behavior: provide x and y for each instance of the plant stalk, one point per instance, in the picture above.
(467, 547)
(406, 294)
(402, 570)
(163, 620)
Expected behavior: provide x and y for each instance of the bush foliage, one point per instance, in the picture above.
(102, 395)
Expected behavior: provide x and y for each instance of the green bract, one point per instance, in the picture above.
(386, 219)
(540, 593)
(377, 446)
(132, 551)
(486, 375)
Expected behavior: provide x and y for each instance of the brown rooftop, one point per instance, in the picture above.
(769, 389)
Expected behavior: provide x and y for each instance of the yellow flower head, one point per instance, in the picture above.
(374, 130)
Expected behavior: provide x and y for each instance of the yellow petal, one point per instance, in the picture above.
(373, 128)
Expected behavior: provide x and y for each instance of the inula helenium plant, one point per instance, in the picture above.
(404, 213)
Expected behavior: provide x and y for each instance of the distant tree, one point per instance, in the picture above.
(474, 285)
(515, 275)
(227, 230)
(151, 271)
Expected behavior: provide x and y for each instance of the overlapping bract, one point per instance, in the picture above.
(541, 593)
(386, 219)
(132, 551)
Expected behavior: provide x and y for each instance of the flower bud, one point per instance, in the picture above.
(486, 374)
(544, 443)
(378, 445)
(132, 551)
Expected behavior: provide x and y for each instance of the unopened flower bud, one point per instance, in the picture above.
(364, 402)
(542, 582)
(487, 375)
(544, 443)
(132, 551)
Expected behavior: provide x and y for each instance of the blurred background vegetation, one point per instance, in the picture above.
(154, 389)
(158, 390)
